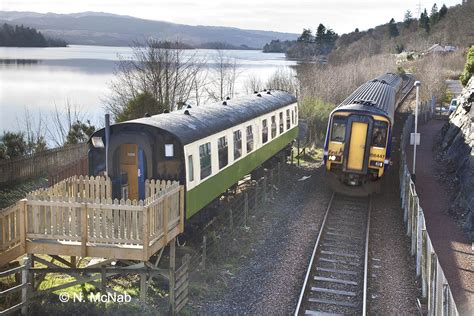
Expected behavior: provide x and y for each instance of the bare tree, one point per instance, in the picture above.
(166, 73)
(222, 77)
(61, 122)
(283, 79)
(252, 84)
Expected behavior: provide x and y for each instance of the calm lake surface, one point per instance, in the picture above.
(40, 79)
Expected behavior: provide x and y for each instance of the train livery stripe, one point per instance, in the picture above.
(201, 195)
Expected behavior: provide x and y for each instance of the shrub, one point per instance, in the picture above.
(468, 67)
(317, 113)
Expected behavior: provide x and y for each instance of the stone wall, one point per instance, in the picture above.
(457, 141)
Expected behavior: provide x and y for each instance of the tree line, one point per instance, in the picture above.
(21, 36)
(307, 46)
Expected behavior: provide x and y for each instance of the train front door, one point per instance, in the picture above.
(132, 172)
(357, 145)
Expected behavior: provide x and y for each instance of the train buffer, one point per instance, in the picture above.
(77, 217)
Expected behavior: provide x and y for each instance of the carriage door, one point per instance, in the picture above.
(132, 172)
(359, 129)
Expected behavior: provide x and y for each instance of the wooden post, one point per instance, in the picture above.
(24, 290)
(246, 208)
(83, 230)
(181, 209)
(146, 233)
(31, 276)
(204, 252)
(103, 280)
(73, 261)
(172, 275)
(143, 287)
(23, 209)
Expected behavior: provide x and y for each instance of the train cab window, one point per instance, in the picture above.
(338, 130)
(237, 144)
(205, 159)
(288, 119)
(274, 126)
(264, 131)
(249, 139)
(281, 123)
(223, 152)
(379, 134)
(190, 168)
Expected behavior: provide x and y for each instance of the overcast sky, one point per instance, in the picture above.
(273, 15)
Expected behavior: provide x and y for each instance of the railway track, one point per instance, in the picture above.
(336, 280)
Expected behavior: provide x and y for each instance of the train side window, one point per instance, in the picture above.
(281, 123)
(264, 131)
(190, 168)
(223, 151)
(274, 126)
(296, 114)
(249, 139)
(237, 144)
(205, 159)
(338, 130)
(293, 117)
(379, 134)
(288, 124)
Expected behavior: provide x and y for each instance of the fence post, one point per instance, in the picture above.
(231, 221)
(204, 252)
(265, 189)
(256, 196)
(172, 275)
(23, 209)
(279, 173)
(83, 230)
(419, 241)
(246, 208)
(24, 290)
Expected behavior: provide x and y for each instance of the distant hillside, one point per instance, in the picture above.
(95, 28)
(456, 27)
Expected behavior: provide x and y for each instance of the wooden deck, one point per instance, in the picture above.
(77, 217)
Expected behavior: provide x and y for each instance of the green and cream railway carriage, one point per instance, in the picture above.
(207, 148)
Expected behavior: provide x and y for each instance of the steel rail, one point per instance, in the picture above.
(366, 260)
(308, 273)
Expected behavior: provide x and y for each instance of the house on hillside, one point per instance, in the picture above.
(437, 48)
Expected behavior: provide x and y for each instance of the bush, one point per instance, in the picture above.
(317, 113)
(468, 67)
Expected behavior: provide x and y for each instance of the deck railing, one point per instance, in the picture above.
(77, 217)
(435, 288)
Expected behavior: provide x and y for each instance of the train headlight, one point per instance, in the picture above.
(378, 164)
(332, 157)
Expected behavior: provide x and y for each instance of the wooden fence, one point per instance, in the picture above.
(77, 217)
(435, 287)
(76, 168)
(35, 165)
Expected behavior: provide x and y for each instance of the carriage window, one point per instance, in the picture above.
(223, 151)
(264, 132)
(237, 144)
(205, 159)
(296, 114)
(379, 134)
(288, 119)
(249, 139)
(274, 126)
(169, 152)
(190, 168)
(293, 117)
(338, 130)
(281, 122)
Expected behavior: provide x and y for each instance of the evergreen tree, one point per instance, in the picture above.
(443, 11)
(306, 36)
(392, 29)
(356, 30)
(424, 22)
(320, 34)
(79, 132)
(408, 19)
(434, 15)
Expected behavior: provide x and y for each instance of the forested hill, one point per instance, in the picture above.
(21, 36)
(451, 26)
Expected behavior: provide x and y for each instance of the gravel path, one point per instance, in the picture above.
(269, 283)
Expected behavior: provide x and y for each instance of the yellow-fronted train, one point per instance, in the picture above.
(358, 139)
